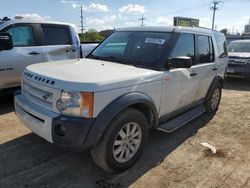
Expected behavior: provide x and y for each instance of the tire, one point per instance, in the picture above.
(113, 156)
(213, 101)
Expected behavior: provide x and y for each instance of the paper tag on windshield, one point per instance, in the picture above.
(155, 41)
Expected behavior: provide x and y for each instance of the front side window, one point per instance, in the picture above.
(22, 36)
(143, 49)
(205, 49)
(184, 46)
(54, 35)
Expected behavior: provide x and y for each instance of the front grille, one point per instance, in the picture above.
(40, 95)
(238, 57)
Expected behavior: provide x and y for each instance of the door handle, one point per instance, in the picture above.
(193, 74)
(215, 68)
(34, 53)
(73, 49)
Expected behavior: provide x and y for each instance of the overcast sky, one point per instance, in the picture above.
(106, 14)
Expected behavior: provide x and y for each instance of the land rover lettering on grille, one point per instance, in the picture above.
(38, 78)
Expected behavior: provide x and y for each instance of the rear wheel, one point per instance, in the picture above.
(213, 101)
(122, 142)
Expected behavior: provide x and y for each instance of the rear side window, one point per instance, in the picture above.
(184, 46)
(205, 49)
(56, 35)
(221, 45)
(22, 36)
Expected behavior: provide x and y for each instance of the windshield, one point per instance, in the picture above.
(141, 49)
(239, 47)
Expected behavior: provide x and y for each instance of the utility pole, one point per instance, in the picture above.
(81, 21)
(142, 20)
(214, 7)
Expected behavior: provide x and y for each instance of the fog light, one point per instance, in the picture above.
(60, 130)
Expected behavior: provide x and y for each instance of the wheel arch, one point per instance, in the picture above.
(217, 79)
(136, 100)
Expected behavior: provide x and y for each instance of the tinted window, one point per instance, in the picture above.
(56, 35)
(22, 36)
(221, 44)
(205, 49)
(184, 46)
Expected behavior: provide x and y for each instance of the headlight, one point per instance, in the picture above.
(76, 104)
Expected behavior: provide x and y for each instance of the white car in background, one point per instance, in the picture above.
(35, 42)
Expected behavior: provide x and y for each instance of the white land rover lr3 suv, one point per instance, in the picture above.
(136, 79)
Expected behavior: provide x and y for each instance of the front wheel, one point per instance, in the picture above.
(123, 141)
(213, 101)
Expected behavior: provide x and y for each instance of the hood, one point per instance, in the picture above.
(244, 55)
(89, 75)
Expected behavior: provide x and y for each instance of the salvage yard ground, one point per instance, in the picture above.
(169, 160)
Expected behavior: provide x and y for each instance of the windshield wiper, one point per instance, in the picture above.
(118, 60)
(94, 57)
(124, 61)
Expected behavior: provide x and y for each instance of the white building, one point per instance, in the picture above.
(247, 28)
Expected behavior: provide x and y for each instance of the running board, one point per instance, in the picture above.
(181, 120)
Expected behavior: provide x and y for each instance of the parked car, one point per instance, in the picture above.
(36, 42)
(239, 58)
(138, 78)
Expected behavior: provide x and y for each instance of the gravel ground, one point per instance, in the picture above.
(169, 160)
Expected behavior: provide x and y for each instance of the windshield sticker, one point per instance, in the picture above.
(155, 41)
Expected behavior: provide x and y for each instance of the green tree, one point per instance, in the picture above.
(225, 31)
(91, 36)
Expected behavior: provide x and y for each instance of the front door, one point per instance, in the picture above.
(24, 53)
(180, 83)
(57, 43)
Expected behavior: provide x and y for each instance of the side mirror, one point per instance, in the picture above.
(181, 62)
(6, 42)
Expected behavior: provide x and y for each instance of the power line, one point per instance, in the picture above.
(142, 20)
(214, 7)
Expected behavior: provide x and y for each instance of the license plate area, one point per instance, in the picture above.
(230, 70)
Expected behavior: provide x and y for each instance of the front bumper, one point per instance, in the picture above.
(238, 70)
(68, 132)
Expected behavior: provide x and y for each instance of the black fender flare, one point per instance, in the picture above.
(104, 118)
(218, 79)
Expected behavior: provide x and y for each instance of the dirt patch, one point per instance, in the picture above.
(169, 160)
(219, 153)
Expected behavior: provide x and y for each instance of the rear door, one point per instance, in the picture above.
(206, 67)
(25, 52)
(57, 43)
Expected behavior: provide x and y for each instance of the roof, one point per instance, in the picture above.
(15, 21)
(169, 29)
